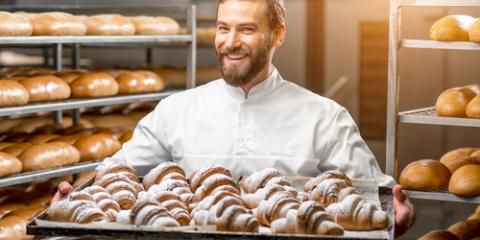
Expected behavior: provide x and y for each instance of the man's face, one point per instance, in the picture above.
(243, 40)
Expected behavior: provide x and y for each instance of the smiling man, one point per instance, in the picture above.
(253, 118)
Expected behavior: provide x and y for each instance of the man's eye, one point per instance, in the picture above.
(248, 30)
(222, 29)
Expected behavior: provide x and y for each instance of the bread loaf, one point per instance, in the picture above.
(126, 136)
(46, 88)
(474, 33)
(145, 25)
(17, 149)
(465, 181)
(424, 175)
(9, 164)
(94, 85)
(439, 235)
(466, 229)
(57, 23)
(451, 28)
(12, 93)
(48, 155)
(97, 146)
(473, 108)
(453, 102)
(117, 121)
(12, 24)
(459, 157)
(139, 82)
(109, 24)
(42, 138)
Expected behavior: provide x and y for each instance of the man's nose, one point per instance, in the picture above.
(233, 40)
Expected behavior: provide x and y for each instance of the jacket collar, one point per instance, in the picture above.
(256, 92)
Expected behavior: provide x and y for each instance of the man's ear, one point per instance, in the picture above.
(279, 36)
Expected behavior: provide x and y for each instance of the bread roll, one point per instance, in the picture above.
(126, 136)
(57, 23)
(451, 28)
(94, 85)
(473, 108)
(114, 121)
(145, 25)
(97, 146)
(9, 164)
(424, 175)
(465, 181)
(29, 125)
(5, 145)
(48, 155)
(453, 102)
(12, 24)
(465, 229)
(42, 138)
(474, 33)
(459, 157)
(12, 93)
(439, 235)
(139, 82)
(17, 149)
(46, 88)
(109, 24)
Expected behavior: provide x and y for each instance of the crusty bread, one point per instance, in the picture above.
(145, 25)
(94, 85)
(12, 24)
(109, 24)
(424, 175)
(12, 93)
(57, 23)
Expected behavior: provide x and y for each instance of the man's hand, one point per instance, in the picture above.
(64, 188)
(404, 211)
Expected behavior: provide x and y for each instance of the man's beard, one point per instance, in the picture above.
(237, 75)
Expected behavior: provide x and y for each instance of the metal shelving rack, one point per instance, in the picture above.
(76, 42)
(422, 115)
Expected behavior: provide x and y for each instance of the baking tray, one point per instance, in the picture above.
(42, 227)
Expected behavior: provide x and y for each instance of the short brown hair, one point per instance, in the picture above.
(276, 10)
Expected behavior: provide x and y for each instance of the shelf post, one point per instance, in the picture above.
(76, 65)
(393, 90)
(58, 67)
(192, 47)
(149, 56)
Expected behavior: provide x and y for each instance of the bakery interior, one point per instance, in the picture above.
(341, 50)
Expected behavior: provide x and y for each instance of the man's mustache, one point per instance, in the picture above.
(225, 51)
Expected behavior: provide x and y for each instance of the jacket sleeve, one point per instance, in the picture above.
(148, 146)
(346, 151)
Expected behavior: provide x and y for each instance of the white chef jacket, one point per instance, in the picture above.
(279, 125)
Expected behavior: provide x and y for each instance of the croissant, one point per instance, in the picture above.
(252, 200)
(309, 218)
(172, 202)
(208, 202)
(150, 212)
(166, 170)
(331, 190)
(105, 201)
(78, 211)
(211, 179)
(227, 215)
(353, 213)
(176, 186)
(105, 169)
(275, 207)
(261, 178)
(313, 182)
(123, 189)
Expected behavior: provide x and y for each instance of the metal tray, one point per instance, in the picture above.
(42, 227)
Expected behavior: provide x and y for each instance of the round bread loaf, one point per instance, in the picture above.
(452, 28)
(12, 24)
(48, 155)
(439, 235)
(9, 164)
(474, 33)
(424, 175)
(453, 102)
(57, 23)
(97, 146)
(94, 85)
(139, 82)
(459, 157)
(473, 108)
(465, 229)
(46, 88)
(12, 93)
(145, 25)
(465, 181)
(109, 24)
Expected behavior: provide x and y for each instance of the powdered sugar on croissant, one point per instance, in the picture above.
(165, 170)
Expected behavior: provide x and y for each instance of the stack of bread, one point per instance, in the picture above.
(19, 204)
(27, 86)
(459, 170)
(264, 202)
(459, 102)
(461, 230)
(65, 24)
(456, 28)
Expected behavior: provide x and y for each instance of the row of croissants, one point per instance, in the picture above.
(265, 201)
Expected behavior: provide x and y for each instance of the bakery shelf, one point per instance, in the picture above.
(41, 40)
(48, 173)
(439, 3)
(78, 103)
(441, 196)
(415, 43)
(428, 116)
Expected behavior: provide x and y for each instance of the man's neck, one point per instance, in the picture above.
(262, 76)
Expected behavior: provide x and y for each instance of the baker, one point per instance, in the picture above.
(253, 118)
